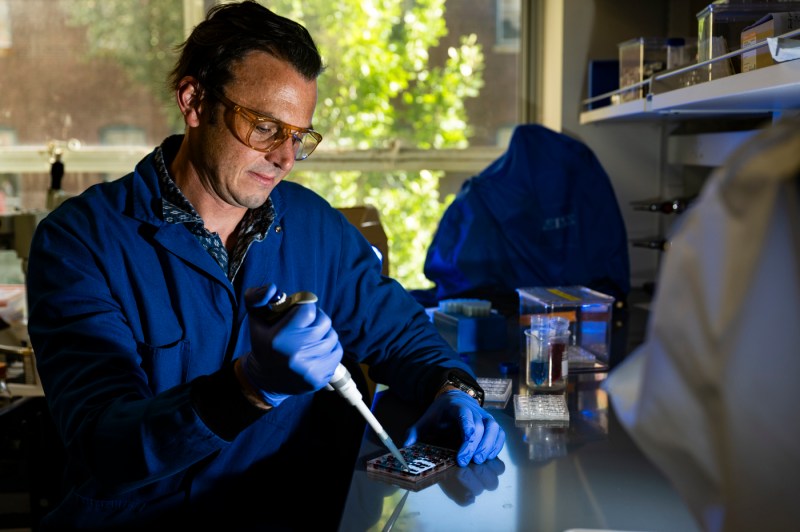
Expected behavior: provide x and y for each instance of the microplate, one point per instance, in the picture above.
(424, 462)
(542, 407)
(495, 390)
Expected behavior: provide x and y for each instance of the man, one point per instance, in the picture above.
(176, 400)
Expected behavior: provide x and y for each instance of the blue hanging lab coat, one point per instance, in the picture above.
(127, 310)
(543, 214)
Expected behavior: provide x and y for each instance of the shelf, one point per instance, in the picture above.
(627, 110)
(767, 90)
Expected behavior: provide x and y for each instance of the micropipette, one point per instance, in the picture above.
(341, 381)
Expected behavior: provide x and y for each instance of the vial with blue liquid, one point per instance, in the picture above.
(546, 353)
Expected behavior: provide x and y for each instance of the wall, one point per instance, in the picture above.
(632, 153)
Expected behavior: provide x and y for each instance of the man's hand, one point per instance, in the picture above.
(481, 436)
(295, 354)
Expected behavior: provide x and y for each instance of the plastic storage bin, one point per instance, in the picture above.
(589, 313)
(681, 52)
(719, 29)
(639, 59)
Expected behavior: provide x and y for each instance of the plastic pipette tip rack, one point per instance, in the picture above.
(425, 462)
(496, 391)
(472, 308)
(540, 408)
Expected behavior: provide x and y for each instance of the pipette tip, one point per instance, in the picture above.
(395, 452)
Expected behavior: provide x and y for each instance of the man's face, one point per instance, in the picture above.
(230, 170)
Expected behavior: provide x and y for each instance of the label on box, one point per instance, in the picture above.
(770, 25)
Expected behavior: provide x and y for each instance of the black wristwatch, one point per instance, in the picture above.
(465, 383)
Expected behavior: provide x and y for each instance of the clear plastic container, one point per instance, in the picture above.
(681, 52)
(719, 28)
(639, 59)
(589, 315)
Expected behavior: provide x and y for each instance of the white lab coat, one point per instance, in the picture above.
(713, 394)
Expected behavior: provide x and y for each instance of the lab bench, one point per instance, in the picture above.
(585, 474)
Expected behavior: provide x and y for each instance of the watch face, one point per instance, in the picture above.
(464, 387)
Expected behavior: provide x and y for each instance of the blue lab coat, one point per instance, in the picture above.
(543, 214)
(126, 310)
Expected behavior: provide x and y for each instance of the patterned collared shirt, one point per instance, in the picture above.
(178, 210)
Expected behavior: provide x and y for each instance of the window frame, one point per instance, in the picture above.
(122, 159)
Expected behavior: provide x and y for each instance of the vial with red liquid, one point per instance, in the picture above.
(546, 360)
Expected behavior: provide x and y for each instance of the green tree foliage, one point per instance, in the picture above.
(380, 90)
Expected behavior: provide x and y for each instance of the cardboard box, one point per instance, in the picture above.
(368, 222)
(770, 25)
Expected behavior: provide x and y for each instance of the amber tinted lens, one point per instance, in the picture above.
(266, 135)
(307, 145)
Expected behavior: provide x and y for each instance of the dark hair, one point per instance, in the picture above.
(232, 30)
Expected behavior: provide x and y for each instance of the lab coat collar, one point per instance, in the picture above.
(146, 207)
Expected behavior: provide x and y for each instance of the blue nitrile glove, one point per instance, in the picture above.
(481, 435)
(295, 354)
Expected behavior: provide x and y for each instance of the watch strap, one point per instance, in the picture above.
(463, 381)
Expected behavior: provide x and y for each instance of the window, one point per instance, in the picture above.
(9, 182)
(414, 100)
(122, 135)
(5, 27)
(7, 136)
(508, 24)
